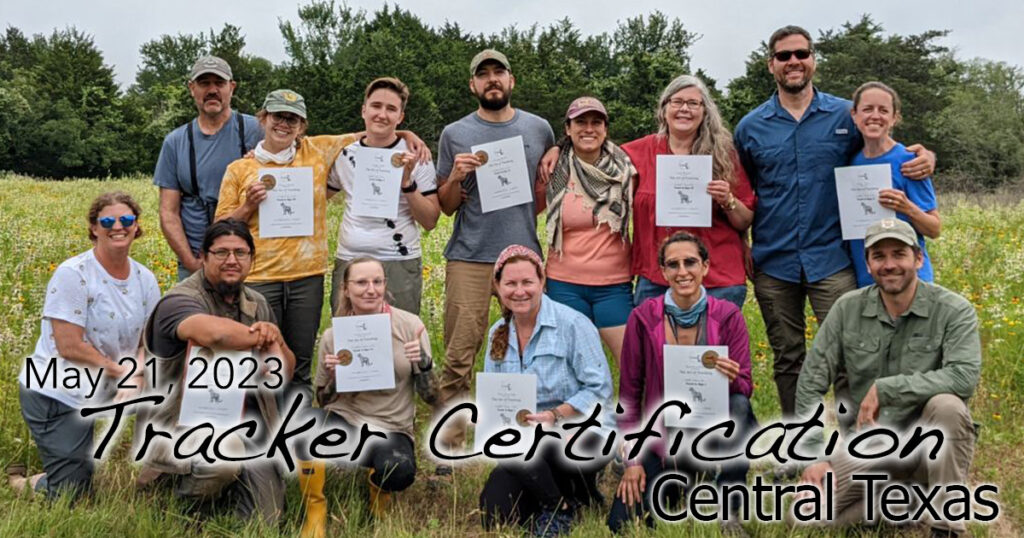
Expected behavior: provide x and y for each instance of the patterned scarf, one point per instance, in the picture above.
(606, 186)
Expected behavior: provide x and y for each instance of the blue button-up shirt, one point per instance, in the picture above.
(790, 164)
(565, 354)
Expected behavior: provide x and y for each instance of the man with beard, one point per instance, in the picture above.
(214, 309)
(193, 159)
(478, 238)
(912, 356)
(789, 147)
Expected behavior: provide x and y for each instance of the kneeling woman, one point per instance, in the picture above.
(562, 348)
(684, 315)
(392, 461)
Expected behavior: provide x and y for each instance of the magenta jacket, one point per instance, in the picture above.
(642, 372)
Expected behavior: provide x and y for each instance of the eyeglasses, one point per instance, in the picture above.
(241, 254)
(397, 238)
(126, 220)
(785, 55)
(688, 263)
(691, 104)
(291, 119)
(364, 283)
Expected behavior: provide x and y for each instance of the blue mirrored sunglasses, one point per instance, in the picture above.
(126, 221)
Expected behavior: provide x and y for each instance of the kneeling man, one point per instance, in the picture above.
(913, 357)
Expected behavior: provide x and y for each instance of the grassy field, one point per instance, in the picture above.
(980, 255)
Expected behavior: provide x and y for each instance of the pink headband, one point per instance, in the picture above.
(516, 250)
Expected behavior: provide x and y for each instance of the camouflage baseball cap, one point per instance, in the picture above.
(210, 64)
(485, 55)
(285, 101)
(890, 229)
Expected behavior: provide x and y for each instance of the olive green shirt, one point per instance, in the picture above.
(932, 348)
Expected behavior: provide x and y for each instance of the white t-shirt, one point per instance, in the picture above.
(372, 236)
(113, 313)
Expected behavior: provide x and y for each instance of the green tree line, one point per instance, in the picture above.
(63, 115)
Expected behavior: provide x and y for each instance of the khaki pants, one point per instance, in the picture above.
(943, 411)
(467, 301)
(405, 283)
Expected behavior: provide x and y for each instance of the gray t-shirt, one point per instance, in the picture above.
(213, 155)
(479, 237)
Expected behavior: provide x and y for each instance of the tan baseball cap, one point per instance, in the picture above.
(285, 101)
(890, 229)
(485, 55)
(210, 64)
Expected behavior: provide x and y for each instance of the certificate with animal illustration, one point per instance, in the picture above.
(211, 386)
(857, 188)
(288, 209)
(503, 178)
(682, 197)
(365, 358)
(378, 180)
(503, 401)
(691, 378)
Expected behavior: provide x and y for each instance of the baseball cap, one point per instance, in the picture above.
(890, 229)
(285, 101)
(485, 55)
(210, 64)
(582, 105)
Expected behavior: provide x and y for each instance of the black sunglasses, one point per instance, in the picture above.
(785, 55)
(108, 222)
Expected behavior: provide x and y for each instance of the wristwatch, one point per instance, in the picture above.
(731, 204)
(558, 416)
(411, 188)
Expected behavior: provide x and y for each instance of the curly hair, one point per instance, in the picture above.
(108, 199)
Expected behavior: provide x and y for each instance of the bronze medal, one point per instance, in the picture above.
(521, 417)
(344, 357)
(396, 160)
(708, 359)
(268, 181)
(482, 157)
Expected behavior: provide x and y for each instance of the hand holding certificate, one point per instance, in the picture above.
(681, 198)
(211, 394)
(691, 377)
(288, 208)
(378, 179)
(365, 357)
(857, 188)
(503, 178)
(504, 401)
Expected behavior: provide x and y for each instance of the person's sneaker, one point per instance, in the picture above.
(733, 528)
(551, 523)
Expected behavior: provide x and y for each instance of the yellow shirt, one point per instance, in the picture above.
(287, 258)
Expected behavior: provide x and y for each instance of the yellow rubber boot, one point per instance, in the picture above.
(380, 500)
(311, 483)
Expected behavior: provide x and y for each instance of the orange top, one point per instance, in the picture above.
(591, 255)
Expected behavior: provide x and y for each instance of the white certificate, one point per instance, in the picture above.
(857, 187)
(504, 180)
(211, 393)
(377, 183)
(690, 377)
(682, 197)
(288, 209)
(366, 359)
(502, 400)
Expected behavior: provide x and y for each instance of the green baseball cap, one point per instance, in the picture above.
(285, 101)
(485, 55)
(890, 229)
(210, 64)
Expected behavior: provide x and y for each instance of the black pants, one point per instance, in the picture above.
(393, 459)
(296, 305)
(515, 492)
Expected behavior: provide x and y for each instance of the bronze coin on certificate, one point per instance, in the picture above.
(521, 417)
(344, 357)
(482, 157)
(396, 160)
(268, 181)
(709, 358)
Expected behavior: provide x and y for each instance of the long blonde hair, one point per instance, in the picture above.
(344, 305)
(712, 137)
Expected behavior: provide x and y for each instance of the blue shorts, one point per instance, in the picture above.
(606, 306)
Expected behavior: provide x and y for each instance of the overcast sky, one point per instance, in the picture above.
(729, 29)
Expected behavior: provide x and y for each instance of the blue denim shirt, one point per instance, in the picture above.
(790, 165)
(565, 353)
